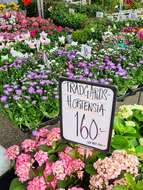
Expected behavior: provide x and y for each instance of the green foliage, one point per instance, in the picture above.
(120, 187)
(92, 31)
(89, 10)
(61, 16)
(82, 36)
(17, 185)
(120, 142)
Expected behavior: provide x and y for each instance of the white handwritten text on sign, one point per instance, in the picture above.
(87, 112)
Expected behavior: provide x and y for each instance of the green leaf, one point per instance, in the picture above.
(130, 180)
(120, 187)
(120, 142)
(138, 115)
(17, 185)
(90, 169)
(45, 148)
(119, 125)
(139, 149)
(139, 185)
(49, 178)
(61, 184)
(53, 158)
(40, 171)
(73, 153)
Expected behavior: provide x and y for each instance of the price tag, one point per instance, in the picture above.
(72, 11)
(99, 14)
(122, 17)
(86, 51)
(132, 15)
(87, 113)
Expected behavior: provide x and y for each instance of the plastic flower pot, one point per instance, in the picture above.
(46, 121)
(6, 179)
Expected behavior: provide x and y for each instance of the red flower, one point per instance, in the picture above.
(26, 2)
(33, 33)
(128, 2)
(59, 29)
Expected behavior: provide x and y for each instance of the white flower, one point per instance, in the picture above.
(73, 43)
(31, 44)
(54, 49)
(43, 34)
(16, 53)
(1, 38)
(4, 57)
(62, 40)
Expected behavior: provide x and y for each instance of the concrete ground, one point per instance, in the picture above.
(10, 135)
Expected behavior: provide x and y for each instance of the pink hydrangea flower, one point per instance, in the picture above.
(41, 157)
(85, 151)
(23, 165)
(75, 188)
(42, 132)
(28, 145)
(78, 165)
(12, 152)
(53, 136)
(59, 171)
(48, 169)
(53, 183)
(38, 183)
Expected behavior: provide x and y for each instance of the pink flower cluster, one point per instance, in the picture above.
(36, 155)
(28, 145)
(12, 152)
(111, 168)
(38, 183)
(16, 23)
(50, 136)
(66, 166)
(140, 34)
(72, 188)
(41, 157)
(23, 165)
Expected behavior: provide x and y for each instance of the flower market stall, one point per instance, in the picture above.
(35, 52)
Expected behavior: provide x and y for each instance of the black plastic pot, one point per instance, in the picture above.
(45, 122)
(129, 93)
(6, 179)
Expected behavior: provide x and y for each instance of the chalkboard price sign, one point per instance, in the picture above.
(87, 112)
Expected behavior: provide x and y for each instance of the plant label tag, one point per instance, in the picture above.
(86, 51)
(132, 15)
(72, 11)
(87, 112)
(99, 14)
(122, 17)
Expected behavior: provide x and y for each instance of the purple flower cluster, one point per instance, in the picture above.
(16, 64)
(104, 68)
(69, 54)
(28, 87)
